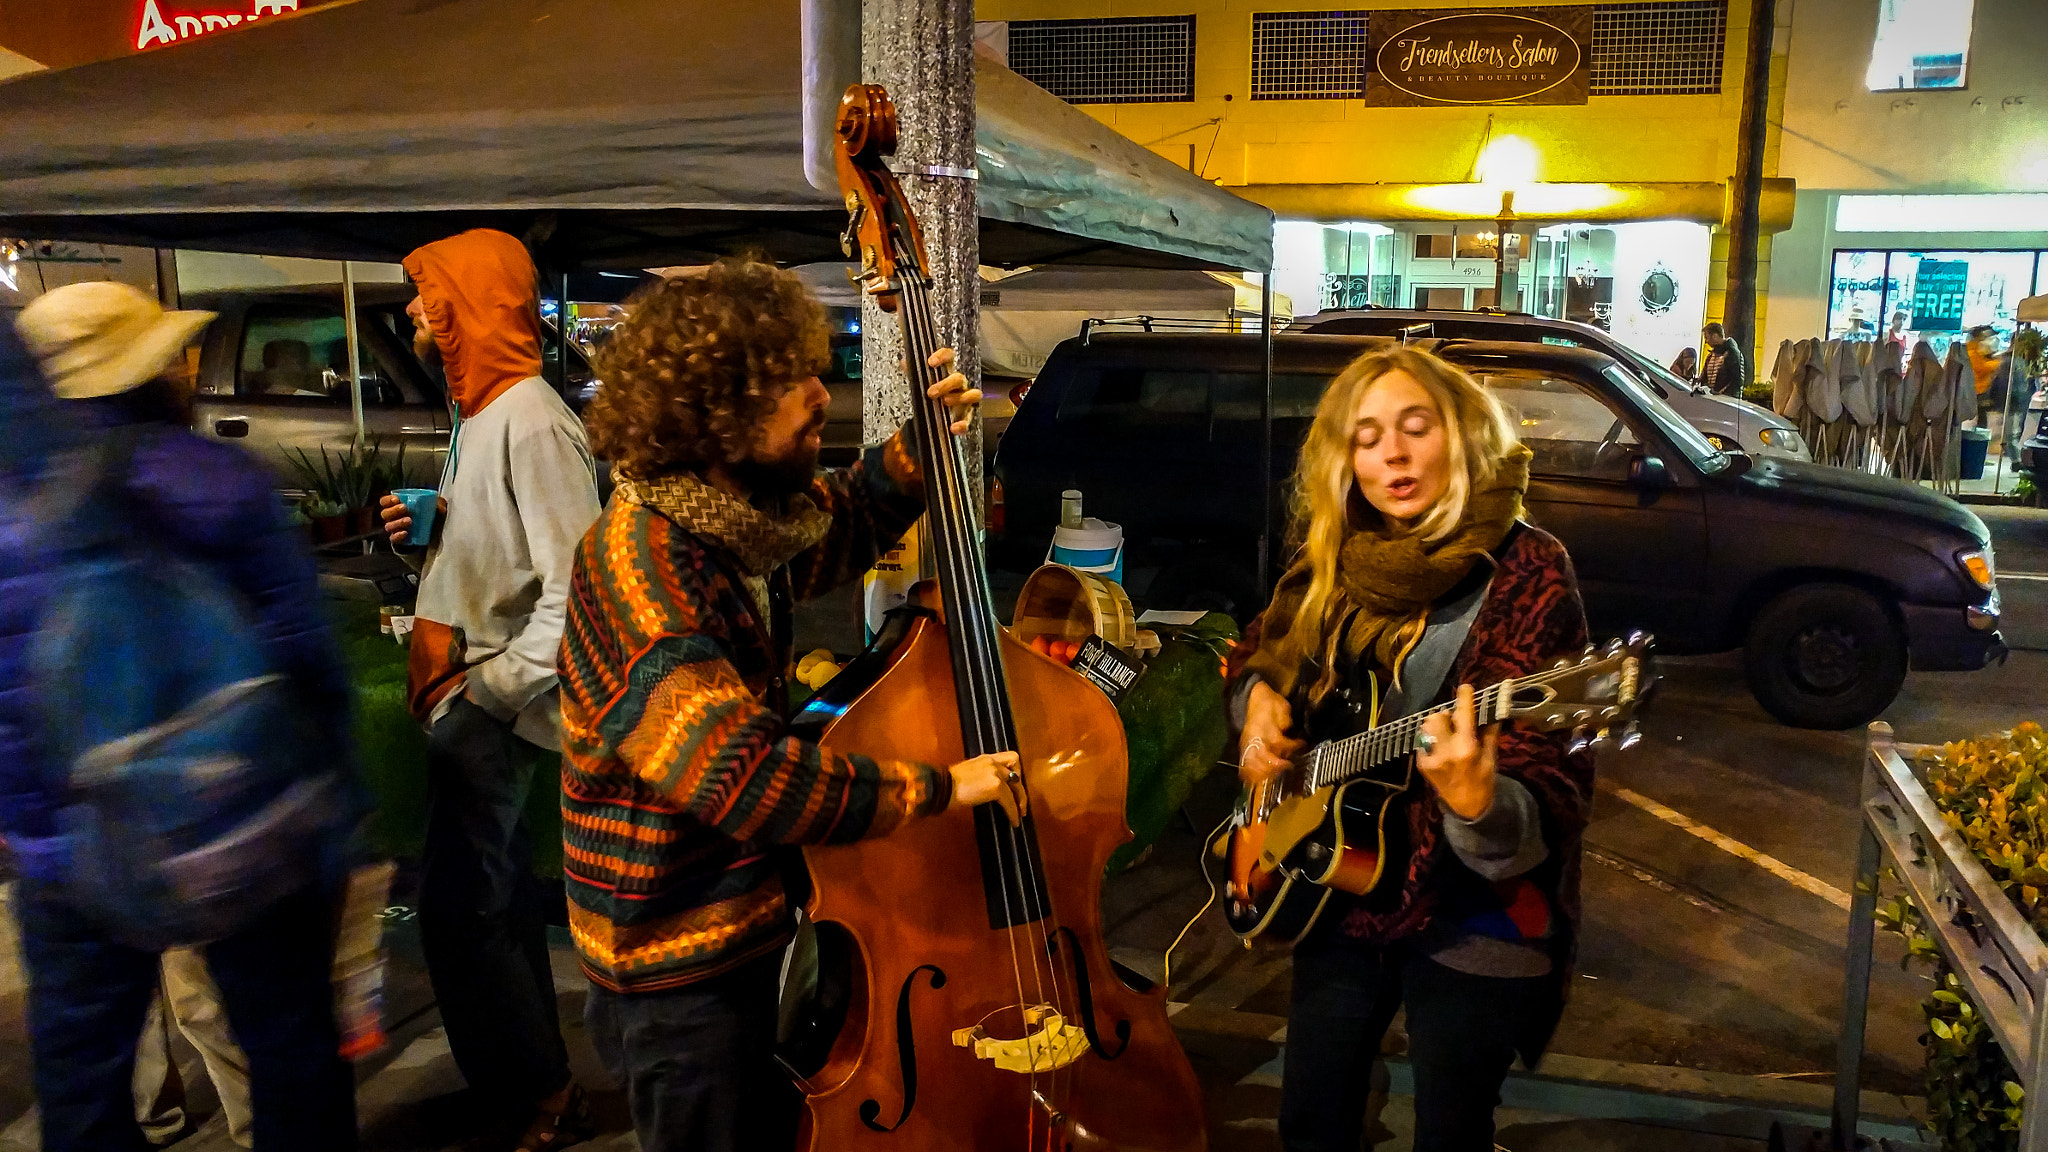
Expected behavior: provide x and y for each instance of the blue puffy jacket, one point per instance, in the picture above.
(214, 504)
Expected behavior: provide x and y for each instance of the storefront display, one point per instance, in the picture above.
(1925, 295)
(1644, 281)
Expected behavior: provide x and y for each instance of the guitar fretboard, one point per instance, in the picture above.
(1339, 760)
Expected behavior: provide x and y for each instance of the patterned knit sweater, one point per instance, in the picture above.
(681, 792)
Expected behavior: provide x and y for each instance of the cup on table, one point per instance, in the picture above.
(422, 504)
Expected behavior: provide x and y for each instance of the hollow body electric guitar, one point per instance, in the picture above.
(1322, 826)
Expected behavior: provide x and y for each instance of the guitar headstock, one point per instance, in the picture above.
(880, 228)
(1595, 695)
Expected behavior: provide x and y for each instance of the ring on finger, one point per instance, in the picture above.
(1425, 743)
(1013, 775)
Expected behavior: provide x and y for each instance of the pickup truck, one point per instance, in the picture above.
(1831, 583)
(273, 376)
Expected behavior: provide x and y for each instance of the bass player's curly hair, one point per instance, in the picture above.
(700, 360)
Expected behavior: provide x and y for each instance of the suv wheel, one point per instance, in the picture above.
(1825, 656)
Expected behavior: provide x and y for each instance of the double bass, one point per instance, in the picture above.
(965, 998)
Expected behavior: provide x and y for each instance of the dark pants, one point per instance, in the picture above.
(88, 997)
(1461, 1039)
(482, 924)
(698, 1062)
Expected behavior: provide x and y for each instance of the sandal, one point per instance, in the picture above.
(552, 1130)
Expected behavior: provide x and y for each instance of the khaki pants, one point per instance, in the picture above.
(187, 995)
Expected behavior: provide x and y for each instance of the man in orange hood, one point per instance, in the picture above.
(518, 492)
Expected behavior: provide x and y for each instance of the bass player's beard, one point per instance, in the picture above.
(785, 476)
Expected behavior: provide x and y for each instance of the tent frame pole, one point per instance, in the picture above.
(355, 354)
(1266, 486)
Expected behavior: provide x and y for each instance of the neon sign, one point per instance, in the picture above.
(156, 28)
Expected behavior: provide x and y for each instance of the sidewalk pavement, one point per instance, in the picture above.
(405, 1092)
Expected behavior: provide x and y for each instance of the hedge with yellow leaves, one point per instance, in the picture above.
(1994, 792)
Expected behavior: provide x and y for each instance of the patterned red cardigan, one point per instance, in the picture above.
(681, 791)
(1532, 616)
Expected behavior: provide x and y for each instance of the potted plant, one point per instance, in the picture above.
(329, 519)
(351, 480)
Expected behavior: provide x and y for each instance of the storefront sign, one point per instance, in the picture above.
(157, 27)
(1938, 288)
(1477, 56)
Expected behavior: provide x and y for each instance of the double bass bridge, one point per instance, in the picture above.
(1049, 1044)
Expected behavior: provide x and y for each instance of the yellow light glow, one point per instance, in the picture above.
(1508, 163)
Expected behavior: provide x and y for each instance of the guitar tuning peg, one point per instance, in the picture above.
(1578, 742)
(1631, 736)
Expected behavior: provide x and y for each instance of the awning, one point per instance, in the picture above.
(2034, 308)
(627, 133)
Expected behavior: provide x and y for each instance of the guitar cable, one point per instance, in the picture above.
(1166, 977)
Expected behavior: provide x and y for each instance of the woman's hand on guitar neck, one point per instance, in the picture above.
(1460, 763)
(1265, 749)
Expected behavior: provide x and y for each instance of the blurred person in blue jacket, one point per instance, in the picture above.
(79, 363)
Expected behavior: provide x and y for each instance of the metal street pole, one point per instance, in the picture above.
(923, 51)
(1503, 226)
(1739, 314)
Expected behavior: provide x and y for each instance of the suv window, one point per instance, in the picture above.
(1571, 430)
(1189, 403)
(300, 350)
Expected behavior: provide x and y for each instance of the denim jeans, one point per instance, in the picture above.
(698, 1062)
(88, 998)
(1462, 1033)
(482, 925)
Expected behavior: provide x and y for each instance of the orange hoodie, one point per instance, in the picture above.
(477, 290)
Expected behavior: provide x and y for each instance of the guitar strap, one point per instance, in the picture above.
(1422, 674)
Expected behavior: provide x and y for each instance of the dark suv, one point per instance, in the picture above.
(1831, 582)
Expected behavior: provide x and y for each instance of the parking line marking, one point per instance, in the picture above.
(1733, 847)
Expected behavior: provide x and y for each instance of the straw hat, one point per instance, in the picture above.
(102, 338)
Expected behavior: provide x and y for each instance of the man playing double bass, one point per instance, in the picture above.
(682, 795)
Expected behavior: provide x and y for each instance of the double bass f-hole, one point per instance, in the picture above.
(1086, 996)
(906, 1052)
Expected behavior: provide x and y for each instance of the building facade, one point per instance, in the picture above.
(1918, 133)
(1377, 133)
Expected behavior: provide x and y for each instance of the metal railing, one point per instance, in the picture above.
(1997, 955)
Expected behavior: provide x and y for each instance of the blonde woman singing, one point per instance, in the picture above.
(1410, 492)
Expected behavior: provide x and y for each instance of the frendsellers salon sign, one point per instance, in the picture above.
(1479, 56)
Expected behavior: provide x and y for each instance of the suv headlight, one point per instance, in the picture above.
(1783, 439)
(1978, 564)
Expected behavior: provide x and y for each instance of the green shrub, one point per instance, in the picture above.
(1994, 792)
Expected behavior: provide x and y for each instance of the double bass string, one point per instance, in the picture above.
(986, 661)
(961, 586)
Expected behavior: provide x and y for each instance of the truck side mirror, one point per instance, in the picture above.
(1648, 472)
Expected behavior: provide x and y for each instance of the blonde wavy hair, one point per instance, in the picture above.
(1325, 499)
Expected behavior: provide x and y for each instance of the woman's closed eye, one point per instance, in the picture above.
(1367, 435)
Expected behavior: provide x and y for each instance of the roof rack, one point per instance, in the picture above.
(1174, 324)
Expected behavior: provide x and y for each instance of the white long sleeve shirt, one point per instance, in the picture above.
(521, 488)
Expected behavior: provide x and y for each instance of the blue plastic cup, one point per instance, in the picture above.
(422, 504)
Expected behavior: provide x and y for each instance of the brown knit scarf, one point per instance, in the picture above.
(1386, 583)
(759, 541)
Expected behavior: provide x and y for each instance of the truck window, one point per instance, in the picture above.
(1571, 431)
(301, 351)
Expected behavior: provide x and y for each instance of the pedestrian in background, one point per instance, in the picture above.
(113, 358)
(1687, 365)
(1724, 371)
(518, 492)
